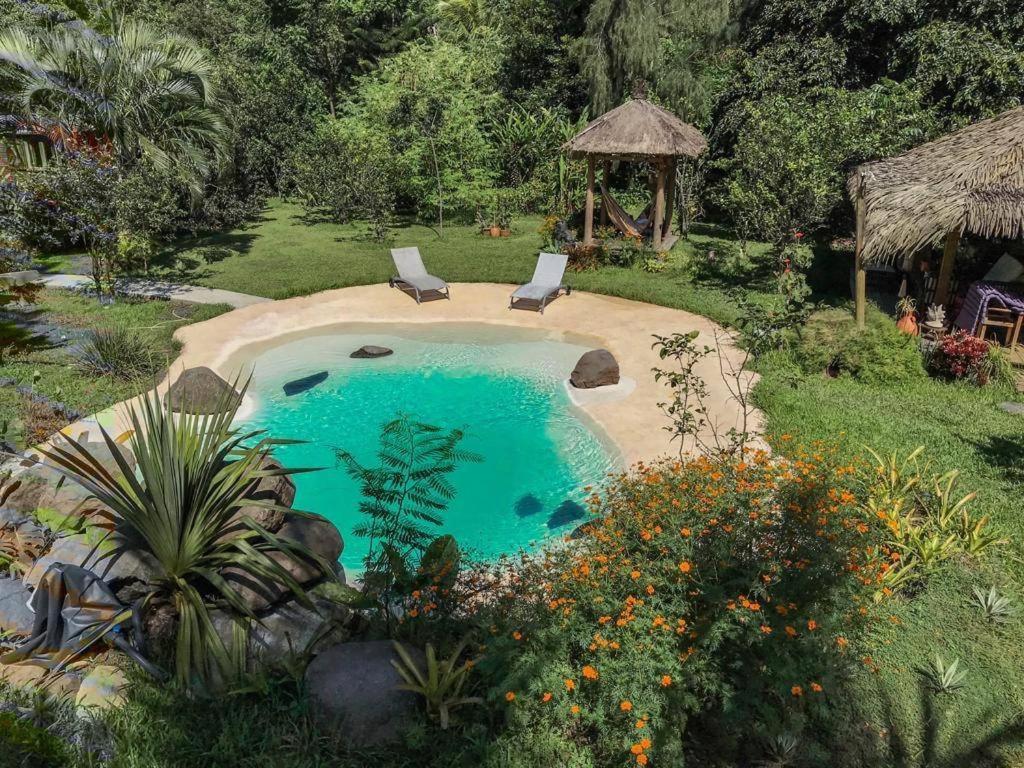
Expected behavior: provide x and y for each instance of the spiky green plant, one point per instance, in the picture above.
(440, 683)
(194, 473)
(995, 607)
(944, 678)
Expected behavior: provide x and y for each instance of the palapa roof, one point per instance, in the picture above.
(969, 181)
(637, 129)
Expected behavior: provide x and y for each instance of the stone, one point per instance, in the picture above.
(316, 534)
(278, 489)
(15, 615)
(353, 686)
(90, 550)
(200, 390)
(596, 368)
(26, 486)
(370, 351)
(1017, 409)
(102, 688)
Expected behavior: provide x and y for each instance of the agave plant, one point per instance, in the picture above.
(194, 473)
(995, 607)
(944, 678)
(440, 683)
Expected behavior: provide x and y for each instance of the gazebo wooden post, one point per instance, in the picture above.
(860, 289)
(670, 196)
(606, 168)
(946, 268)
(659, 206)
(588, 220)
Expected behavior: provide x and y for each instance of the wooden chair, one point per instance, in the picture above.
(1001, 320)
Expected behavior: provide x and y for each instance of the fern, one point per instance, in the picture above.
(404, 497)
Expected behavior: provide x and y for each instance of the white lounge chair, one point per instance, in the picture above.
(546, 283)
(413, 276)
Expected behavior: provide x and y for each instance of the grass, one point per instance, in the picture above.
(282, 255)
(54, 373)
(890, 721)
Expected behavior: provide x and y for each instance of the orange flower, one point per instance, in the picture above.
(574, 709)
(570, 685)
(650, 589)
(816, 688)
(796, 690)
(685, 566)
(812, 625)
(634, 575)
(517, 635)
(645, 743)
(790, 631)
(641, 723)
(626, 705)
(641, 759)
(666, 681)
(684, 531)
(766, 629)
(510, 696)
(546, 697)
(842, 642)
(636, 749)
(590, 673)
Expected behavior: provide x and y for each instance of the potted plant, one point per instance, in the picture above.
(907, 308)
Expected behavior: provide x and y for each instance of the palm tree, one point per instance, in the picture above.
(149, 93)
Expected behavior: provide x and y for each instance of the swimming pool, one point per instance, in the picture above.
(504, 387)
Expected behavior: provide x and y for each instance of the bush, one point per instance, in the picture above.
(877, 354)
(962, 355)
(23, 744)
(119, 351)
(707, 599)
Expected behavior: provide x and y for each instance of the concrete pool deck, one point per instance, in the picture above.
(630, 416)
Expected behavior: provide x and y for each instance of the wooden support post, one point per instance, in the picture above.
(606, 168)
(659, 207)
(860, 278)
(946, 268)
(588, 214)
(670, 198)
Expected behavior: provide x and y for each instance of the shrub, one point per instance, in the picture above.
(877, 354)
(705, 598)
(582, 257)
(25, 744)
(119, 351)
(962, 355)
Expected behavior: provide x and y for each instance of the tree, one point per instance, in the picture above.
(658, 42)
(147, 92)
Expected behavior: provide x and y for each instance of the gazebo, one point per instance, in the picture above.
(636, 131)
(971, 181)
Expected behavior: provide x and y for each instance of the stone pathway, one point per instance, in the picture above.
(158, 289)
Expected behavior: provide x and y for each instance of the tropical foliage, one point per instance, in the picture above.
(181, 504)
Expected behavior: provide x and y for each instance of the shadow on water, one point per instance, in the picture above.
(528, 505)
(566, 512)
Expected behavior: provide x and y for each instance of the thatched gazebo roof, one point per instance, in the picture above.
(637, 130)
(969, 181)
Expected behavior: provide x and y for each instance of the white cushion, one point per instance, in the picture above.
(1006, 270)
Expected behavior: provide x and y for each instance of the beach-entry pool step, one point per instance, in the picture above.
(306, 383)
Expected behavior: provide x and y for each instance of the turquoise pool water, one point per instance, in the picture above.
(503, 386)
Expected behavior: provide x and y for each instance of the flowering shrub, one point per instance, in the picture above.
(706, 598)
(961, 356)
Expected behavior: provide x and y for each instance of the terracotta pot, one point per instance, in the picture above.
(495, 231)
(908, 324)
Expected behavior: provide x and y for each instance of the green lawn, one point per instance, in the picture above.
(53, 372)
(282, 255)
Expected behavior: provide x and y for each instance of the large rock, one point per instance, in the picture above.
(15, 615)
(277, 489)
(370, 351)
(353, 686)
(27, 484)
(316, 534)
(200, 390)
(90, 550)
(596, 368)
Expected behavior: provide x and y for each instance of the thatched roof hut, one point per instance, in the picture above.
(969, 181)
(636, 130)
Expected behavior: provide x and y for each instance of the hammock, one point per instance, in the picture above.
(621, 218)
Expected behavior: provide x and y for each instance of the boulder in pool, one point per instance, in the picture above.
(200, 391)
(306, 383)
(370, 351)
(596, 368)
